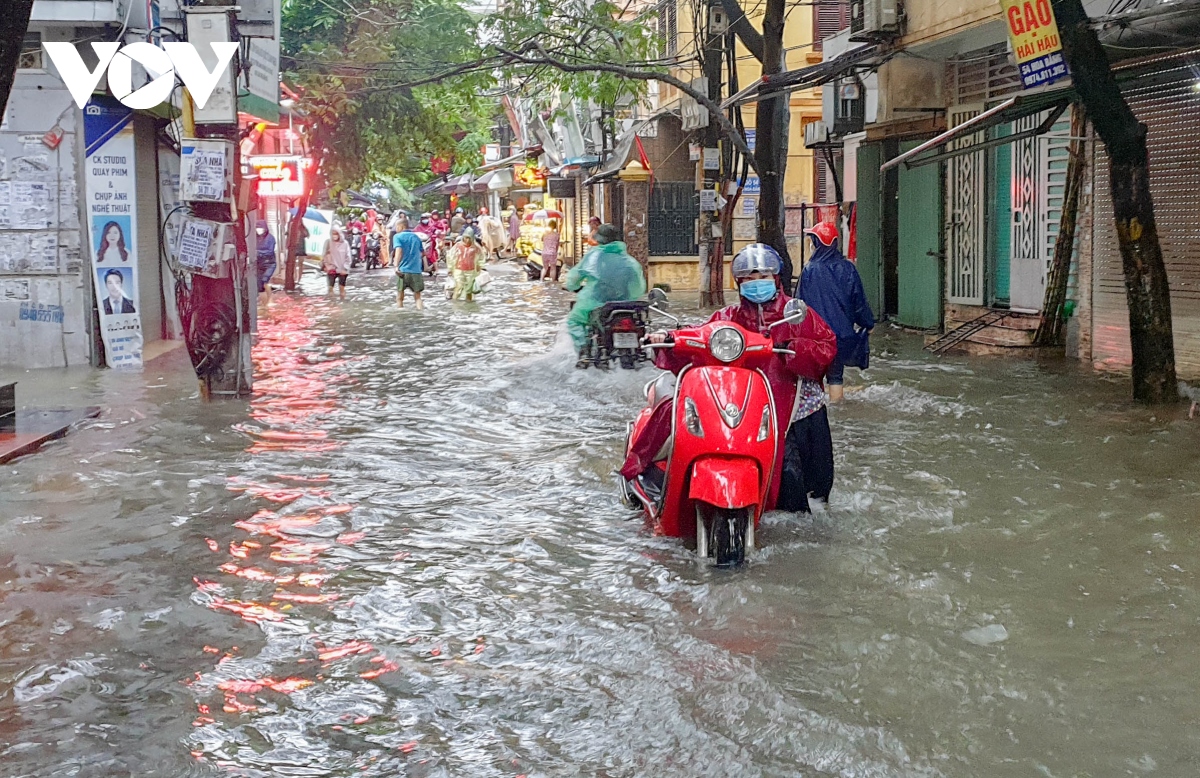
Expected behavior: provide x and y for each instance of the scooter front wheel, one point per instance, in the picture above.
(725, 533)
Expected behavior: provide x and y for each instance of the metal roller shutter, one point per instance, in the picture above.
(1169, 103)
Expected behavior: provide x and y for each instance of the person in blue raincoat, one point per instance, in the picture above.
(831, 286)
(607, 273)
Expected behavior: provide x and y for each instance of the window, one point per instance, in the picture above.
(829, 18)
(30, 57)
(668, 26)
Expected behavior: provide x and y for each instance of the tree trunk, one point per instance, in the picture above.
(12, 35)
(1049, 331)
(771, 149)
(1146, 288)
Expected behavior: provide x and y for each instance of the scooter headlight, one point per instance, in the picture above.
(726, 344)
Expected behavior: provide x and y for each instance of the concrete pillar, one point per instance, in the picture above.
(636, 179)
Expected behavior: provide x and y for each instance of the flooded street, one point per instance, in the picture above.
(405, 556)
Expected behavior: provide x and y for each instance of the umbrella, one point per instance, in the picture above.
(543, 214)
(311, 215)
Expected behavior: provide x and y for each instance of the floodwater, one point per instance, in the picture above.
(405, 556)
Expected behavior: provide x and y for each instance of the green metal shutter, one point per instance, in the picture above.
(919, 263)
(1002, 223)
(868, 221)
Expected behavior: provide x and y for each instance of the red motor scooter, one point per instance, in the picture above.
(714, 480)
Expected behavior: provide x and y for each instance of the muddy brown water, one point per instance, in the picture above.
(404, 556)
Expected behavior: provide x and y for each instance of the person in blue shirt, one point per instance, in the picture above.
(831, 286)
(409, 254)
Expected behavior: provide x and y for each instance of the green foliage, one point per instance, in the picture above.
(353, 69)
(576, 32)
(392, 83)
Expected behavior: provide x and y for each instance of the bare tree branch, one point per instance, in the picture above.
(714, 110)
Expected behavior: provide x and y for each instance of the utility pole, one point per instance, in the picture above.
(714, 43)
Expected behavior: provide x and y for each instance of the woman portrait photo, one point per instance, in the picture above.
(112, 249)
(115, 300)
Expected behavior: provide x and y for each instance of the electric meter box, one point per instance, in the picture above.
(206, 170)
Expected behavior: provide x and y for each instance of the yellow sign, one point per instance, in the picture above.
(1035, 41)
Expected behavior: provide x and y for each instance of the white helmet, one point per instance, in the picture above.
(757, 258)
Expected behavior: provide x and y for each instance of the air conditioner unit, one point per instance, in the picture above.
(816, 134)
(874, 19)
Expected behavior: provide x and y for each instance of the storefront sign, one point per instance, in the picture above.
(112, 227)
(1035, 42)
(530, 177)
(279, 175)
(560, 188)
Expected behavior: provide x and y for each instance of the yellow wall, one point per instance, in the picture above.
(930, 19)
(805, 105)
(682, 274)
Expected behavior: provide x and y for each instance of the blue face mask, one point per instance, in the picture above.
(760, 290)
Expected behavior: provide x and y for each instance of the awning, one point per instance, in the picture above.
(813, 75)
(511, 160)
(622, 150)
(1014, 108)
(500, 180)
(353, 199)
(457, 185)
(427, 189)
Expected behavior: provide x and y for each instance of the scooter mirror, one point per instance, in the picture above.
(796, 307)
(657, 298)
(794, 312)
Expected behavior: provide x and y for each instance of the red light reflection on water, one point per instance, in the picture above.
(295, 393)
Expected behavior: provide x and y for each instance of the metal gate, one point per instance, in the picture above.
(965, 219)
(674, 209)
(1039, 177)
(1169, 104)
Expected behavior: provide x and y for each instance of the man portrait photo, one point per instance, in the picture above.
(116, 301)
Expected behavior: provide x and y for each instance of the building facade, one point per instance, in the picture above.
(84, 193)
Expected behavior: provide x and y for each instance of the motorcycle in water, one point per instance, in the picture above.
(615, 334)
(356, 252)
(427, 254)
(715, 479)
(533, 265)
(373, 251)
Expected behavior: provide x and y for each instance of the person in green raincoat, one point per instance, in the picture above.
(607, 273)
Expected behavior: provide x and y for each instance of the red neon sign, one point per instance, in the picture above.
(279, 175)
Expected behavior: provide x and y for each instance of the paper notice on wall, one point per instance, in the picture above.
(202, 170)
(43, 252)
(168, 197)
(111, 197)
(31, 166)
(14, 289)
(5, 201)
(195, 243)
(30, 205)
